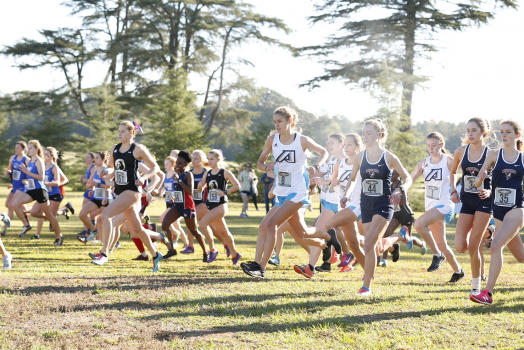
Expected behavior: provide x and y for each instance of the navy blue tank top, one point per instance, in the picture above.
(376, 182)
(507, 183)
(470, 170)
(198, 197)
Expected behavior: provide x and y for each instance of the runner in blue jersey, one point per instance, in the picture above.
(507, 202)
(88, 195)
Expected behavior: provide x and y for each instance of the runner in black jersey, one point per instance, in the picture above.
(216, 180)
(124, 159)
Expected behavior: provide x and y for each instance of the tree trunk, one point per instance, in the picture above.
(125, 56)
(408, 83)
(203, 109)
(174, 40)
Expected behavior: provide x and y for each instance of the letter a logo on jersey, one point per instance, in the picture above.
(287, 157)
(434, 174)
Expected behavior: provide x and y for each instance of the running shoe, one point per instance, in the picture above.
(3, 232)
(147, 220)
(304, 271)
(66, 214)
(334, 258)
(100, 260)
(396, 252)
(253, 269)
(406, 238)
(141, 258)
(483, 297)
(236, 259)
(364, 292)
(346, 260)
(156, 261)
(325, 267)
(347, 268)
(82, 239)
(25, 229)
(326, 253)
(81, 234)
(212, 256)
(117, 245)
(92, 235)
(95, 241)
(94, 256)
(165, 241)
(188, 250)
(383, 263)
(355, 262)
(175, 239)
(457, 276)
(35, 237)
(70, 207)
(333, 241)
(205, 256)
(5, 220)
(7, 261)
(274, 261)
(483, 277)
(437, 262)
(474, 292)
(423, 248)
(228, 253)
(51, 227)
(59, 241)
(154, 227)
(170, 253)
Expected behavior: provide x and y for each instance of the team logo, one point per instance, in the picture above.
(472, 171)
(286, 157)
(120, 165)
(372, 172)
(508, 173)
(434, 174)
(345, 176)
(213, 185)
(432, 189)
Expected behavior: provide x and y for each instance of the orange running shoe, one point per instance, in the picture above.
(347, 268)
(334, 258)
(304, 270)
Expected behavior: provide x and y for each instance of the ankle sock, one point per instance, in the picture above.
(475, 283)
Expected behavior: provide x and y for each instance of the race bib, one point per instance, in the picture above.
(197, 195)
(284, 179)
(213, 197)
(121, 177)
(16, 175)
(31, 184)
(372, 187)
(179, 197)
(433, 192)
(169, 196)
(469, 184)
(46, 178)
(342, 191)
(505, 197)
(99, 193)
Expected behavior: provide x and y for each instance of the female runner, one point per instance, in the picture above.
(476, 212)
(179, 194)
(215, 180)
(88, 195)
(34, 169)
(17, 176)
(291, 189)
(6, 256)
(124, 159)
(439, 209)
(507, 165)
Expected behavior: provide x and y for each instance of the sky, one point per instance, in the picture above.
(476, 73)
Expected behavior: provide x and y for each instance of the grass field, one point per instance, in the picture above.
(55, 298)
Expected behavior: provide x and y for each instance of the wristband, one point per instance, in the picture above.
(454, 192)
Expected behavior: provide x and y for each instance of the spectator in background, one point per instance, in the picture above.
(248, 188)
(268, 179)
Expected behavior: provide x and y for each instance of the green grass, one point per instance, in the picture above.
(55, 298)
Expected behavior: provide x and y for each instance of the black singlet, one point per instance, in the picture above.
(214, 183)
(126, 170)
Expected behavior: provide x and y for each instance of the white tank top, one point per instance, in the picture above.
(323, 188)
(344, 174)
(291, 174)
(436, 181)
(333, 195)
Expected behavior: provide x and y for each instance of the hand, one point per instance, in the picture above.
(155, 192)
(335, 183)
(104, 201)
(104, 172)
(484, 194)
(140, 182)
(343, 201)
(270, 166)
(175, 177)
(483, 174)
(150, 197)
(23, 168)
(455, 198)
(7, 172)
(395, 198)
(24, 182)
(201, 184)
(315, 180)
(90, 193)
(81, 179)
(420, 166)
(221, 193)
(313, 191)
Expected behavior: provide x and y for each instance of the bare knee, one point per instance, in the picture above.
(419, 226)
(461, 247)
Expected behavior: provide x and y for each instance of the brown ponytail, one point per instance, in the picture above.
(518, 130)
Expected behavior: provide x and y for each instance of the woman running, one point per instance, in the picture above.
(215, 180)
(34, 169)
(179, 191)
(507, 166)
(475, 213)
(101, 195)
(248, 188)
(291, 189)
(6, 256)
(13, 170)
(124, 159)
(54, 178)
(439, 208)
(88, 195)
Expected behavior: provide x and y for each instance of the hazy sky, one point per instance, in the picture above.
(478, 72)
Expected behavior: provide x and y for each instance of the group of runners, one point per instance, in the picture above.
(363, 190)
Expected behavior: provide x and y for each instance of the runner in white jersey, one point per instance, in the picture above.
(439, 207)
(349, 214)
(291, 190)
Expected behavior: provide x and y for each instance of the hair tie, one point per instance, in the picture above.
(138, 127)
(221, 153)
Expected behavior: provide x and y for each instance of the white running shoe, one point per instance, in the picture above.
(7, 261)
(101, 260)
(92, 235)
(95, 241)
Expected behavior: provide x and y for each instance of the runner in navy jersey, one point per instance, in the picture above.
(13, 171)
(475, 213)
(507, 202)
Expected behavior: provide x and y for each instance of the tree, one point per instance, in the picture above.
(401, 37)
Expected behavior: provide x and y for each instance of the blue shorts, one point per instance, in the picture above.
(87, 196)
(482, 207)
(293, 197)
(386, 212)
(22, 188)
(447, 211)
(356, 211)
(329, 206)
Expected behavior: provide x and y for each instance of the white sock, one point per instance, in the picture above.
(475, 283)
(144, 254)
(438, 255)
